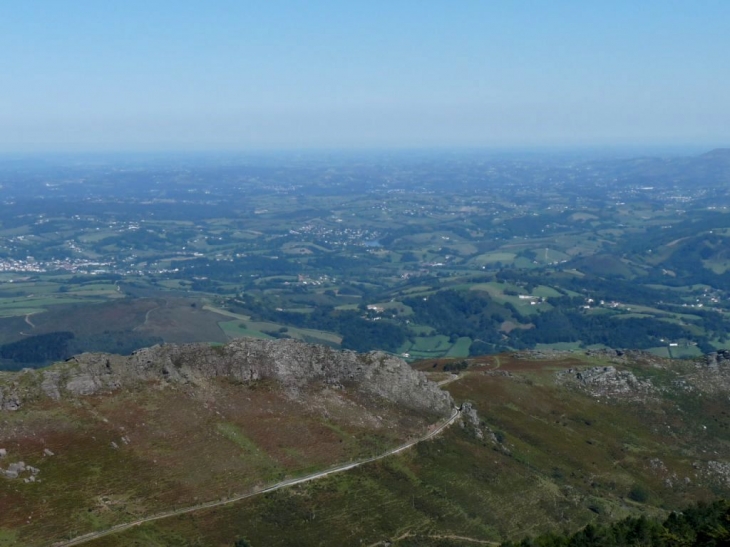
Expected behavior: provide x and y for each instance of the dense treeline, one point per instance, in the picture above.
(357, 333)
(714, 323)
(57, 346)
(473, 314)
(235, 270)
(702, 525)
(613, 289)
(53, 346)
(119, 342)
(565, 325)
(96, 278)
(621, 291)
(361, 335)
(476, 315)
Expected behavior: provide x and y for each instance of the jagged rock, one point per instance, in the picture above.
(607, 353)
(711, 374)
(290, 362)
(539, 355)
(469, 413)
(3, 452)
(83, 383)
(607, 382)
(50, 383)
(16, 469)
(470, 420)
(718, 358)
(48, 452)
(498, 372)
(717, 471)
(9, 400)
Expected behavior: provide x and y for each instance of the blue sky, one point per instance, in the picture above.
(237, 75)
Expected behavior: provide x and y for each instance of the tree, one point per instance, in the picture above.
(638, 493)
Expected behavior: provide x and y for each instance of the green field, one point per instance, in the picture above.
(460, 348)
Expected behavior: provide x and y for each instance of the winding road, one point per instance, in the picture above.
(27, 320)
(278, 486)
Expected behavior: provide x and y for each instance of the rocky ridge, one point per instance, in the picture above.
(718, 358)
(293, 364)
(708, 374)
(607, 381)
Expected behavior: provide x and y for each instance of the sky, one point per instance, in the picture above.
(156, 75)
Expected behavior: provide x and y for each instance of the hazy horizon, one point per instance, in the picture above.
(226, 76)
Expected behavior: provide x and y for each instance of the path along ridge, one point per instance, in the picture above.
(277, 486)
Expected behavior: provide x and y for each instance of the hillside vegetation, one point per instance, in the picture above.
(102, 439)
(549, 442)
(701, 525)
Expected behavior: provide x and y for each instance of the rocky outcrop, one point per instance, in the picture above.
(607, 353)
(293, 364)
(716, 471)
(9, 398)
(607, 382)
(718, 358)
(710, 374)
(16, 470)
(471, 422)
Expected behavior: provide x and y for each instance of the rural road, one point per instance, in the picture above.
(27, 320)
(278, 486)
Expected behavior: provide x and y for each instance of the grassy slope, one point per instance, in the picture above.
(176, 447)
(566, 459)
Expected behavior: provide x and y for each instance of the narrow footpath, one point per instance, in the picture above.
(278, 486)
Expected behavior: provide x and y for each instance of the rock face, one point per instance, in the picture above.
(292, 363)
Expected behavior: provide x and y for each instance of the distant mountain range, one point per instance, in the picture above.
(709, 169)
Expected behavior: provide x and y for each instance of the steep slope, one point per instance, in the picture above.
(547, 441)
(558, 440)
(104, 439)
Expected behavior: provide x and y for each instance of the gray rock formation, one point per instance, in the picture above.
(16, 469)
(472, 423)
(9, 398)
(711, 374)
(718, 358)
(292, 363)
(607, 382)
(471, 419)
(607, 353)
